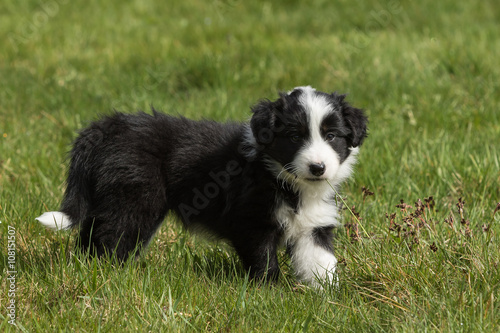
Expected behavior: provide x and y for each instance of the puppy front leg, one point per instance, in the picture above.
(258, 253)
(312, 257)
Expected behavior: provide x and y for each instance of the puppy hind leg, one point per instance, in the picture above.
(128, 214)
(97, 239)
(135, 240)
(118, 240)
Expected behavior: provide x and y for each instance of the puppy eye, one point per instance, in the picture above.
(295, 138)
(330, 137)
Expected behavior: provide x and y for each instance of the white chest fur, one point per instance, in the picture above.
(311, 261)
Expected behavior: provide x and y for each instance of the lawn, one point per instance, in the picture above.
(419, 252)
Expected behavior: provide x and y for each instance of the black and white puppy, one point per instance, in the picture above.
(257, 185)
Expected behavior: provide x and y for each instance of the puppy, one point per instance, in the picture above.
(258, 185)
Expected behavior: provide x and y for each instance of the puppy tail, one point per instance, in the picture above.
(55, 220)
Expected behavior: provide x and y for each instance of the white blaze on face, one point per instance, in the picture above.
(316, 149)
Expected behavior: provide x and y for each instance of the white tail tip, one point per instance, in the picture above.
(55, 220)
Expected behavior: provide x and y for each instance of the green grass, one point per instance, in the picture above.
(425, 71)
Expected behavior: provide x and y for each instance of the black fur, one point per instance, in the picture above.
(127, 171)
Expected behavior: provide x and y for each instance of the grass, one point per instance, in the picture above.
(427, 74)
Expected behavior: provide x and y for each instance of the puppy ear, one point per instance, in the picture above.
(357, 121)
(263, 122)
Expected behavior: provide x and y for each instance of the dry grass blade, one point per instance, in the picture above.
(382, 298)
(347, 206)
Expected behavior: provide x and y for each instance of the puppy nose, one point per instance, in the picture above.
(317, 169)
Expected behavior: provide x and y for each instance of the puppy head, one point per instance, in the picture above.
(309, 135)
